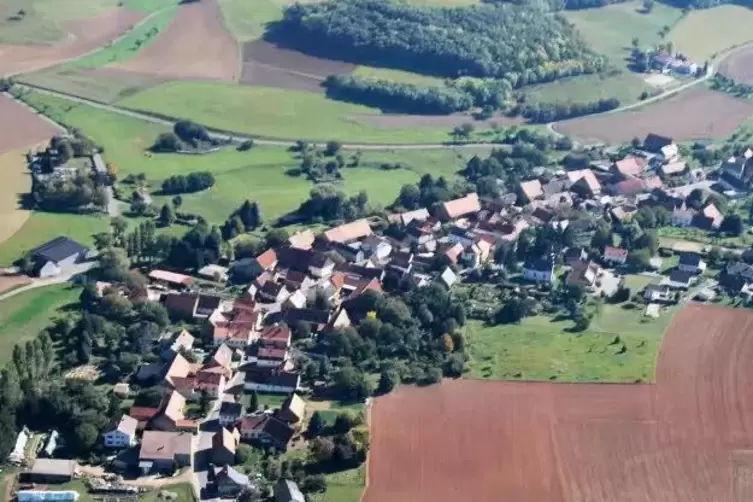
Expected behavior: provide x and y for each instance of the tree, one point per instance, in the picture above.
(639, 259)
(332, 148)
(343, 423)
(732, 225)
(243, 453)
(276, 237)
(463, 131)
(321, 449)
(513, 311)
(388, 380)
(177, 201)
(166, 215)
(85, 436)
(316, 483)
(316, 425)
(167, 142)
(253, 401)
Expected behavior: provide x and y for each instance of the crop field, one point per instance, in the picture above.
(678, 440)
(16, 181)
(100, 84)
(695, 114)
(24, 315)
(705, 33)
(739, 65)
(21, 127)
(194, 46)
(86, 35)
(281, 113)
(397, 76)
(268, 65)
(625, 86)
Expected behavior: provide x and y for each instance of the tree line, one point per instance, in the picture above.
(523, 43)
(188, 183)
(542, 113)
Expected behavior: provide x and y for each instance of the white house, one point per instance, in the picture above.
(541, 270)
(123, 435)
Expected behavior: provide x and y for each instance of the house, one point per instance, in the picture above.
(401, 262)
(457, 208)
(317, 319)
(56, 256)
(205, 305)
(302, 240)
(453, 252)
(528, 191)
(295, 301)
(409, 216)
(628, 187)
(271, 380)
(377, 248)
(142, 414)
(270, 357)
(709, 218)
(629, 167)
(448, 277)
(677, 168)
(575, 255)
(583, 274)
(172, 413)
(273, 292)
(278, 335)
(183, 342)
(351, 251)
(180, 306)
(668, 153)
(229, 482)
(123, 434)
(420, 233)
(224, 444)
(348, 232)
(170, 279)
(265, 429)
(221, 359)
(236, 329)
(51, 444)
(541, 270)
(691, 263)
(213, 272)
(736, 276)
(164, 451)
(653, 143)
(293, 409)
(615, 256)
(683, 216)
(229, 413)
(309, 261)
(178, 368)
(51, 470)
(655, 293)
(287, 491)
(584, 182)
(679, 280)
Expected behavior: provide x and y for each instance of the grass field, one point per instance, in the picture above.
(626, 87)
(43, 19)
(247, 20)
(128, 46)
(184, 492)
(705, 33)
(610, 30)
(397, 76)
(105, 87)
(41, 227)
(258, 174)
(540, 349)
(24, 315)
(273, 112)
(343, 486)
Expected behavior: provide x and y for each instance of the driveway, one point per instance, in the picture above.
(68, 274)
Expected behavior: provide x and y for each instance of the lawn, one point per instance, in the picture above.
(276, 113)
(42, 227)
(246, 20)
(541, 349)
(43, 19)
(698, 235)
(343, 486)
(705, 33)
(625, 86)
(104, 87)
(25, 315)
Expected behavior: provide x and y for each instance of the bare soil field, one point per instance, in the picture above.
(21, 128)
(9, 282)
(196, 45)
(696, 114)
(268, 65)
(686, 438)
(739, 65)
(86, 35)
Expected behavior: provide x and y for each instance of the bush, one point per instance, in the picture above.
(246, 145)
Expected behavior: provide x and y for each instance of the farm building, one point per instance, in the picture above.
(161, 451)
(48, 470)
(54, 257)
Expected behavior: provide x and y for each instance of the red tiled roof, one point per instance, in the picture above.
(630, 166)
(142, 413)
(462, 206)
(348, 232)
(267, 259)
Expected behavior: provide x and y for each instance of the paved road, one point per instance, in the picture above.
(40, 283)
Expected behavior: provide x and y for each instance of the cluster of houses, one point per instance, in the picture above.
(666, 62)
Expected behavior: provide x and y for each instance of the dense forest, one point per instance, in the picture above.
(521, 43)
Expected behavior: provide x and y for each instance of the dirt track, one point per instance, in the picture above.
(683, 439)
(196, 45)
(695, 114)
(86, 35)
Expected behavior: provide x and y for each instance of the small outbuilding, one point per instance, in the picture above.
(52, 470)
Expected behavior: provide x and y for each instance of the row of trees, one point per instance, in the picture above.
(397, 97)
(189, 183)
(185, 135)
(542, 113)
(525, 43)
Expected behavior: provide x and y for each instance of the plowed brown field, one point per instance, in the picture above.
(685, 438)
(739, 65)
(196, 45)
(86, 36)
(695, 114)
(21, 128)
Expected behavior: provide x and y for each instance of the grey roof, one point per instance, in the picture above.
(58, 249)
(99, 163)
(680, 277)
(541, 265)
(287, 491)
(227, 408)
(233, 475)
(690, 259)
